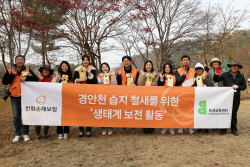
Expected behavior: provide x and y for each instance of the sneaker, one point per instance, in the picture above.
(65, 136)
(110, 132)
(163, 131)
(60, 136)
(206, 131)
(199, 130)
(134, 131)
(191, 131)
(38, 136)
(26, 138)
(104, 132)
(222, 132)
(16, 139)
(180, 131)
(123, 130)
(80, 134)
(88, 134)
(171, 131)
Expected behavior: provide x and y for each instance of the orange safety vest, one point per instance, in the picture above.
(190, 74)
(167, 80)
(124, 78)
(99, 76)
(15, 86)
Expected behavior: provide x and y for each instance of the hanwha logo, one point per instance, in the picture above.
(41, 100)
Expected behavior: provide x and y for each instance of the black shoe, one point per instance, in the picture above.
(206, 131)
(123, 130)
(88, 134)
(145, 131)
(199, 130)
(81, 134)
(223, 132)
(235, 133)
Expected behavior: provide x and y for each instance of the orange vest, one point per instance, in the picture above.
(190, 74)
(99, 76)
(15, 86)
(124, 78)
(167, 80)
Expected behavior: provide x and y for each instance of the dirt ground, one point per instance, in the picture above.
(130, 150)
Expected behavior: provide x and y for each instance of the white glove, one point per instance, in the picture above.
(235, 87)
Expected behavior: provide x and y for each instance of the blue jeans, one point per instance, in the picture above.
(17, 113)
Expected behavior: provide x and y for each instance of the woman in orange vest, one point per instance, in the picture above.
(148, 77)
(167, 78)
(14, 76)
(85, 74)
(127, 76)
(45, 75)
(63, 74)
(104, 78)
(202, 79)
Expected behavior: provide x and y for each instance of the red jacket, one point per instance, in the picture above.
(45, 80)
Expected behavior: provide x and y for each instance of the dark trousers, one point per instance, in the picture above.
(236, 104)
(38, 129)
(62, 129)
(148, 130)
(17, 113)
(81, 129)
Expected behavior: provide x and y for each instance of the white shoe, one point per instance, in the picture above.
(65, 136)
(104, 132)
(60, 136)
(163, 131)
(171, 131)
(110, 132)
(191, 131)
(180, 131)
(16, 139)
(26, 137)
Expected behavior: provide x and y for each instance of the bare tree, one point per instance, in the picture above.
(91, 23)
(12, 29)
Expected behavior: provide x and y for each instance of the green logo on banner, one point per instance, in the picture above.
(203, 107)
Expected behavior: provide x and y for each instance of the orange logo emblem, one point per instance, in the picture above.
(41, 100)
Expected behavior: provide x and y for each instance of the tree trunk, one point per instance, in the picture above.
(3, 60)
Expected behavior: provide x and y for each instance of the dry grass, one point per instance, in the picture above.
(126, 149)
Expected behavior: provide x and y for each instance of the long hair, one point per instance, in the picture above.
(69, 72)
(170, 66)
(148, 61)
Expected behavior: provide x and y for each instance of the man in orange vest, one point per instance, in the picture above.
(122, 78)
(182, 74)
(14, 76)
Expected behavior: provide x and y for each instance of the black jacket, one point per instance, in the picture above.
(7, 78)
(229, 81)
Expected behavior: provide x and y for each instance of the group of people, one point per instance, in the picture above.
(200, 76)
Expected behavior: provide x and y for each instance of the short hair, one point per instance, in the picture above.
(86, 56)
(20, 56)
(106, 65)
(148, 61)
(185, 56)
(126, 57)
